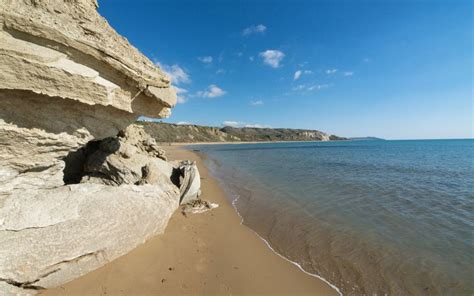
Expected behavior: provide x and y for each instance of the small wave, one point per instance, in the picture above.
(234, 201)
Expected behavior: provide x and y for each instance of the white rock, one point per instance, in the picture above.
(50, 236)
(66, 79)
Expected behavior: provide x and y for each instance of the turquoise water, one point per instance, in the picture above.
(371, 217)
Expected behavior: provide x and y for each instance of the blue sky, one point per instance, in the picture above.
(392, 69)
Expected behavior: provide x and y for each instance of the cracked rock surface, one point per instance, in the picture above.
(77, 188)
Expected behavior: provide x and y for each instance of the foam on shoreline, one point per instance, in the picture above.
(280, 255)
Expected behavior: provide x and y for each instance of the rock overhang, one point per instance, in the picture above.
(67, 43)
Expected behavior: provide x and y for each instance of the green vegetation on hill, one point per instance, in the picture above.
(167, 132)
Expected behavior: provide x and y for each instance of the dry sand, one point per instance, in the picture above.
(201, 254)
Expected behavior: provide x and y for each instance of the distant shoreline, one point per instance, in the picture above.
(242, 142)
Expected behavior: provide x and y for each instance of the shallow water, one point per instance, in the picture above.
(371, 217)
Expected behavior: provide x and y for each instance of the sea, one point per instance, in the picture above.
(369, 217)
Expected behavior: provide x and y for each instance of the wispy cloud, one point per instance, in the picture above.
(317, 87)
(220, 71)
(256, 103)
(258, 29)
(348, 73)
(206, 59)
(299, 87)
(257, 126)
(183, 123)
(272, 57)
(233, 123)
(311, 87)
(251, 58)
(331, 71)
(366, 60)
(297, 75)
(212, 91)
(181, 95)
(175, 72)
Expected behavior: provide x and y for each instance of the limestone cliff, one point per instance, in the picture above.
(69, 84)
(189, 133)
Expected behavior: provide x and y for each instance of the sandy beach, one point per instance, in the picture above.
(199, 254)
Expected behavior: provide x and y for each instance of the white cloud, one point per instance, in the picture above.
(257, 126)
(180, 90)
(272, 57)
(220, 71)
(348, 73)
(317, 87)
(297, 75)
(243, 124)
(206, 60)
(231, 123)
(256, 103)
(175, 72)
(299, 87)
(331, 71)
(304, 87)
(183, 123)
(181, 95)
(212, 91)
(181, 100)
(258, 29)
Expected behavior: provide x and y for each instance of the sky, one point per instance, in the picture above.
(390, 69)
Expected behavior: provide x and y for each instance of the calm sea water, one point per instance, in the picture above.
(371, 217)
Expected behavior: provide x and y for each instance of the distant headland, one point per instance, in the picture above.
(190, 133)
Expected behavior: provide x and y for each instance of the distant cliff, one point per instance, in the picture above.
(366, 139)
(167, 132)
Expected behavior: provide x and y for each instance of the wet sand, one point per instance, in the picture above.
(201, 254)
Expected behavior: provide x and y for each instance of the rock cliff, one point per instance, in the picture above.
(189, 133)
(77, 189)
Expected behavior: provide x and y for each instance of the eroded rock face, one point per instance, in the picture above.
(67, 82)
(130, 158)
(67, 77)
(134, 158)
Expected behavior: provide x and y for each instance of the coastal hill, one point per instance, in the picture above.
(366, 139)
(189, 133)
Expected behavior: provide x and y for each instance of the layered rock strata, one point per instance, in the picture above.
(77, 189)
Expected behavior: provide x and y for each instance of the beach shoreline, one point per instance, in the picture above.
(185, 144)
(200, 254)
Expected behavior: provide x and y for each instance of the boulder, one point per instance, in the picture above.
(51, 236)
(134, 158)
(130, 158)
(189, 181)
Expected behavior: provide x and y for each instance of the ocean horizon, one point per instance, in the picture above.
(385, 217)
